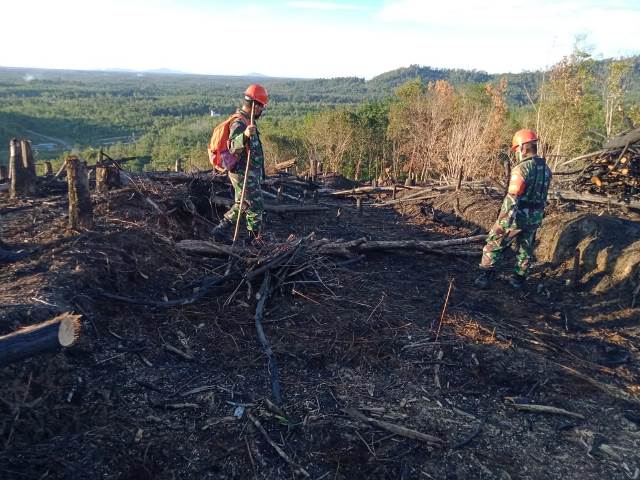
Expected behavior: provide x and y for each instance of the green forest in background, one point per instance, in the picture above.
(416, 120)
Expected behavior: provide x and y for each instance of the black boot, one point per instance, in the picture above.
(517, 281)
(221, 231)
(484, 280)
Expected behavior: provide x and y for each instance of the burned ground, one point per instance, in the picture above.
(168, 393)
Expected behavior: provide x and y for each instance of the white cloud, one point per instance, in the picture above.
(510, 35)
(331, 6)
(141, 34)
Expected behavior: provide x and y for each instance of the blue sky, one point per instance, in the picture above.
(313, 38)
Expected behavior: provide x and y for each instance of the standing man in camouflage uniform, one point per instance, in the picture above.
(243, 138)
(521, 213)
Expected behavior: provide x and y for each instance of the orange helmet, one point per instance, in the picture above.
(523, 136)
(257, 93)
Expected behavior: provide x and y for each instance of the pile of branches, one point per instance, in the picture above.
(613, 171)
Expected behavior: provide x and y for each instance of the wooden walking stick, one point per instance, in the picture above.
(244, 183)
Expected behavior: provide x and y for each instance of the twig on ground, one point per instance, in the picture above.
(296, 468)
(396, 429)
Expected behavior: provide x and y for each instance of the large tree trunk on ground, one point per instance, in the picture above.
(569, 195)
(80, 208)
(50, 336)
(361, 245)
(619, 142)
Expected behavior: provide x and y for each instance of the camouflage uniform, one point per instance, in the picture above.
(254, 204)
(520, 216)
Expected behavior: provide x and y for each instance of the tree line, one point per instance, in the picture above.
(418, 121)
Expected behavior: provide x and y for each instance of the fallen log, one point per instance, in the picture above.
(568, 195)
(363, 190)
(364, 245)
(269, 207)
(621, 141)
(50, 336)
(324, 247)
(286, 164)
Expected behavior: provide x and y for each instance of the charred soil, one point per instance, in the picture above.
(401, 337)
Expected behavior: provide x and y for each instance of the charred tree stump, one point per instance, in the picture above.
(3, 173)
(106, 177)
(50, 336)
(21, 169)
(14, 152)
(28, 161)
(460, 178)
(80, 208)
(48, 169)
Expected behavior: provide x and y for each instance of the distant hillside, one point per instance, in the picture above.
(518, 83)
(399, 76)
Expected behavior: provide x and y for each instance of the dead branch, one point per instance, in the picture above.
(296, 468)
(262, 338)
(614, 392)
(529, 407)
(395, 429)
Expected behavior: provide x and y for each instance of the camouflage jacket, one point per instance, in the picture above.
(527, 194)
(238, 144)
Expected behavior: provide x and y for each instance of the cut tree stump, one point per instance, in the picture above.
(107, 177)
(21, 169)
(59, 332)
(4, 174)
(48, 169)
(80, 207)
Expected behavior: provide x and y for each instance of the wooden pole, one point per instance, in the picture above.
(244, 183)
(50, 336)
(48, 169)
(80, 207)
(359, 206)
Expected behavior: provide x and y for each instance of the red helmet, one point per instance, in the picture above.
(257, 93)
(523, 136)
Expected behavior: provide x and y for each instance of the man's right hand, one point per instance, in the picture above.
(250, 131)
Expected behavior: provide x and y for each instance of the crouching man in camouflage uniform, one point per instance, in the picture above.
(521, 212)
(243, 138)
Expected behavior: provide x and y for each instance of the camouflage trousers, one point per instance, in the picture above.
(500, 237)
(253, 201)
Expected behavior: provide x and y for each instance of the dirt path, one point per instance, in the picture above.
(367, 336)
